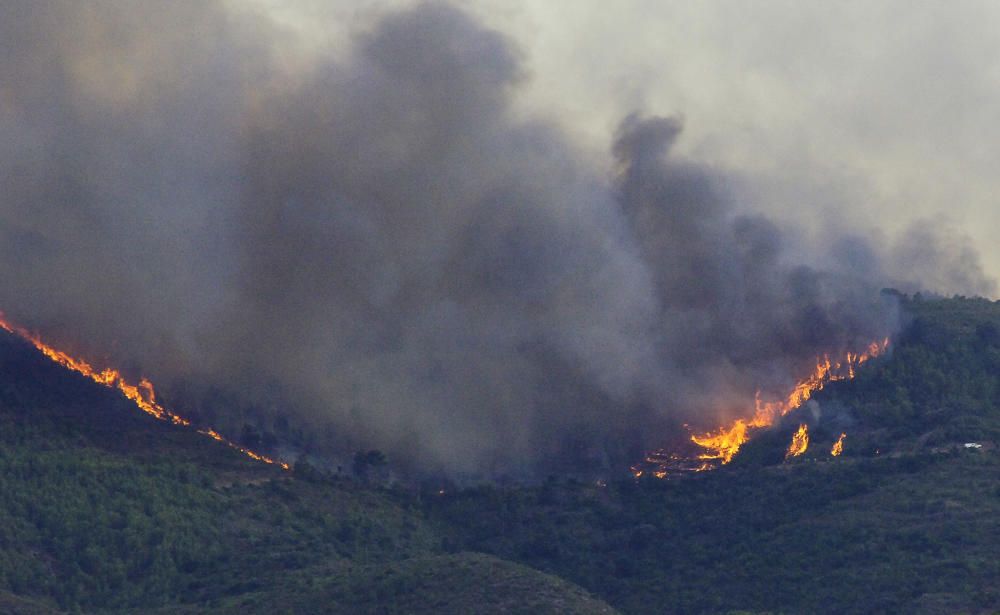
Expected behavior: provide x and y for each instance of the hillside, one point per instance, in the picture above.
(455, 583)
(106, 509)
(906, 520)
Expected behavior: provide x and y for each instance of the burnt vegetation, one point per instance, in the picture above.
(107, 510)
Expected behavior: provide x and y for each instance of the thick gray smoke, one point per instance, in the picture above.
(380, 248)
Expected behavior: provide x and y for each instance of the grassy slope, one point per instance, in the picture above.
(104, 508)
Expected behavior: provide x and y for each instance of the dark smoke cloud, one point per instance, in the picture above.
(379, 246)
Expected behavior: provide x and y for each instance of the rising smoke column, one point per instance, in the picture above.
(377, 244)
(457, 281)
(732, 294)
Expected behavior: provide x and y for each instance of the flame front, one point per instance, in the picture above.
(142, 394)
(800, 442)
(838, 446)
(724, 443)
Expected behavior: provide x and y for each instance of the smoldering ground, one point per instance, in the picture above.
(378, 245)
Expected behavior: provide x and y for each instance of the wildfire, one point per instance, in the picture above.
(800, 442)
(838, 446)
(142, 394)
(724, 443)
(718, 447)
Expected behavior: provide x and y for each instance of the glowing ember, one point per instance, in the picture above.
(800, 442)
(838, 446)
(143, 395)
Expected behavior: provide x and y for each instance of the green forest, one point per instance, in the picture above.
(106, 510)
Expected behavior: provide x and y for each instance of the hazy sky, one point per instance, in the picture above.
(878, 112)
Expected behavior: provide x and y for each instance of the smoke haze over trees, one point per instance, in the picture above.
(379, 243)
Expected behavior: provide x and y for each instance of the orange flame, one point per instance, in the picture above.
(800, 442)
(143, 394)
(838, 446)
(724, 443)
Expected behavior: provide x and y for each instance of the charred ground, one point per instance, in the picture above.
(105, 509)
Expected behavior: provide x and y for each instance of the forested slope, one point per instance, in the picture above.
(907, 519)
(106, 509)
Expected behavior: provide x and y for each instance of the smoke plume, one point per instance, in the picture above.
(377, 246)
